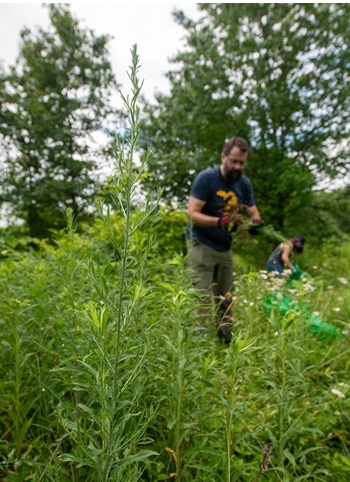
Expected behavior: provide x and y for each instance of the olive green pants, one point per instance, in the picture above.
(212, 273)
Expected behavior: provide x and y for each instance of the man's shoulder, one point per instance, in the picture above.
(205, 182)
(208, 175)
(209, 172)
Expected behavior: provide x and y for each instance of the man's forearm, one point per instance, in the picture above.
(203, 220)
(253, 213)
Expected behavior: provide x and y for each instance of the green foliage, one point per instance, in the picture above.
(330, 213)
(55, 97)
(207, 411)
(108, 425)
(106, 374)
(243, 73)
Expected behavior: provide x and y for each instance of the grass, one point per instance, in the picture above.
(190, 408)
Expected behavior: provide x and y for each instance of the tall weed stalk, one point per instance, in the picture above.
(109, 427)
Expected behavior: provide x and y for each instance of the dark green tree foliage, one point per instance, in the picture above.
(330, 214)
(54, 100)
(277, 74)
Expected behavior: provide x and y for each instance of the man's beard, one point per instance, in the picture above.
(231, 175)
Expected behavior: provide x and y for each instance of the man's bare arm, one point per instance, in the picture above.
(253, 214)
(195, 215)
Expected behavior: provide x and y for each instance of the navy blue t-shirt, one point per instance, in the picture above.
(219, 195)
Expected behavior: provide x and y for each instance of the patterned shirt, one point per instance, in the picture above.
(220, 197)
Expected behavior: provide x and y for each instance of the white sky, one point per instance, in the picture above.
(149, 25)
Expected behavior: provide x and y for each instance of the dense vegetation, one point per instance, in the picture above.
(106, 374)
(87, 392)
(276, 74)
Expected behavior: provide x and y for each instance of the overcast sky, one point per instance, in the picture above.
(149, 25)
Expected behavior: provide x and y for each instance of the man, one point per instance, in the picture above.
(216, 196)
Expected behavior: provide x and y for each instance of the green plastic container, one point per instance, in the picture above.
(281, 303)
(322, 329)
(297, 272)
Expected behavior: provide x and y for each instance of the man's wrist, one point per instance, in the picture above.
(223, 221)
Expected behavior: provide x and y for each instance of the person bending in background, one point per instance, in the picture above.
(216, 196)
(281, 256)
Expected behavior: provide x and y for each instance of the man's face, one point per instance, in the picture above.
(233, 164)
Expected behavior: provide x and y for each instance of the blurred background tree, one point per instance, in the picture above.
(277, 74)
(53, 102)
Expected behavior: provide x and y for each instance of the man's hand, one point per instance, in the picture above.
(230, 222)
(255, 225)
(258, 221)
(223, 222)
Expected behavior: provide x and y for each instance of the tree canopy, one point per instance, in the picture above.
(277, 74)
(53, 101)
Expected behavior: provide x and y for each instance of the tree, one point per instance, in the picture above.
(277, 74)
(330, 213)
(54, 100)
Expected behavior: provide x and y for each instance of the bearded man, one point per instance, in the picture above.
(217, 195)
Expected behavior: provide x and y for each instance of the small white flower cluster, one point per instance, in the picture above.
(275, 283)
(338, 393)
(308, 287)
(263, 274)
(343, 280)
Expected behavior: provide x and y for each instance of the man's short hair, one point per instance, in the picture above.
(236, 141)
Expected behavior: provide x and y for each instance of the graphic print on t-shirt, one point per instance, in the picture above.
(231, 200)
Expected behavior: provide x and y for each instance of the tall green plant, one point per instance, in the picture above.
(20, 387)
(110, 426)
